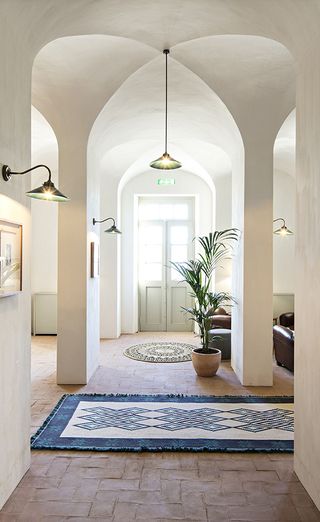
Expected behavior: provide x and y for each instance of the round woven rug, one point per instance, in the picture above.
(160, 352)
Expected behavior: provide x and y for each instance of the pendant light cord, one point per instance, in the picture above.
(166, 52)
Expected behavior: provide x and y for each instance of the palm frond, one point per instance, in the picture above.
(216, 246)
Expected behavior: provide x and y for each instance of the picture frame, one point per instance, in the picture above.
(10, 258)
(94, 259)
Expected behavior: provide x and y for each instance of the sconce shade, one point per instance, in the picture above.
(47, 192)
(283, 231)
(112, 230)
(165, 162)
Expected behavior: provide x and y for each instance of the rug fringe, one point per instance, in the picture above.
(179, 395)
(49, 418)
(145, 449)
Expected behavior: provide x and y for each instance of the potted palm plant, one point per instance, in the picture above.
(198, 274)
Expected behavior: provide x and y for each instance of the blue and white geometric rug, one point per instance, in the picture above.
(168, 423)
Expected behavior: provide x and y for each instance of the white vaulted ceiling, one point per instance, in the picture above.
(113, 87)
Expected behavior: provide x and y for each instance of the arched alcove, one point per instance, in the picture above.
(44, 231)
(284, 204)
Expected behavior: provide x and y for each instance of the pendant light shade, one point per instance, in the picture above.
(283, 230)
(166, 162)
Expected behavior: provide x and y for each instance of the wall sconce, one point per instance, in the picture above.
(112, 230)
(283, 230)
(47, 191)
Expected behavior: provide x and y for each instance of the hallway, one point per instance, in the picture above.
(163, 487)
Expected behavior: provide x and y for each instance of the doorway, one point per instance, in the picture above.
(166, 231)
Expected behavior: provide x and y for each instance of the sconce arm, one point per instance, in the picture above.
(7, 172)
(280, 219)
(94, 221)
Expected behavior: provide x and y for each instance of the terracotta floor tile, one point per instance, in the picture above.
(116, 484)
(308, 514)
(124, 512)
(81, 486)
(38, 509)
(252, 514)
(102, 508)
(138, 497)
(171, 491)
(217, 514)
(156, 511)
(224, 499)
(54, 494)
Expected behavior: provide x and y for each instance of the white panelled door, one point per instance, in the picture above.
(166, 230)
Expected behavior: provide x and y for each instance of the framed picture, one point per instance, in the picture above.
(10, 258)
(94, 264)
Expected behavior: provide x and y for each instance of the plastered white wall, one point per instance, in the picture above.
(223, 184)
(110, 317)
(78, 294)
(284, 205)
(307, 304)
(44, 217)
(15, 311)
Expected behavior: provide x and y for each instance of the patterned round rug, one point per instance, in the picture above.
(160, 352)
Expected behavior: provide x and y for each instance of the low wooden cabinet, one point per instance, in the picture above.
(44, 313)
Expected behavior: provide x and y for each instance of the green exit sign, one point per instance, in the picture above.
(166, 181)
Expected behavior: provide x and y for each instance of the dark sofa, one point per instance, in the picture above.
(283, 342)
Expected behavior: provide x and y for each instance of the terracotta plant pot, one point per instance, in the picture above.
(206, 364)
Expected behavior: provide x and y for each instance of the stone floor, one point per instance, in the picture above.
(160, 487)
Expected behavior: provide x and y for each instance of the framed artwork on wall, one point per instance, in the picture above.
(94, 264)
(10, 258)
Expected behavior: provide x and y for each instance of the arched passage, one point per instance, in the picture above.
(284, 205)
(35, 25)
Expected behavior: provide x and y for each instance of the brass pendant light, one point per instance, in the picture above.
(166, 162)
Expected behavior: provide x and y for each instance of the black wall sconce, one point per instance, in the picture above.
(112, 230)
(283, 230)
(47, 191)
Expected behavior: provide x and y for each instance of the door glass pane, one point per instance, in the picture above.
(151, 254)
(151, 272)
(179, 235)
(166, 211)
(180, 211)
(149, 211)
(151, 234)
(179, 253)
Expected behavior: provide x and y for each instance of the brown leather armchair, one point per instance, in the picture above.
(287, 320)
(283, 342)
(220, 319)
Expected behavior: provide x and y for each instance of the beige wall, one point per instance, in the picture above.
(15, 311)
(307, 302)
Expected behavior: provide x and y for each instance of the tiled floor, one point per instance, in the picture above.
(164, 487)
